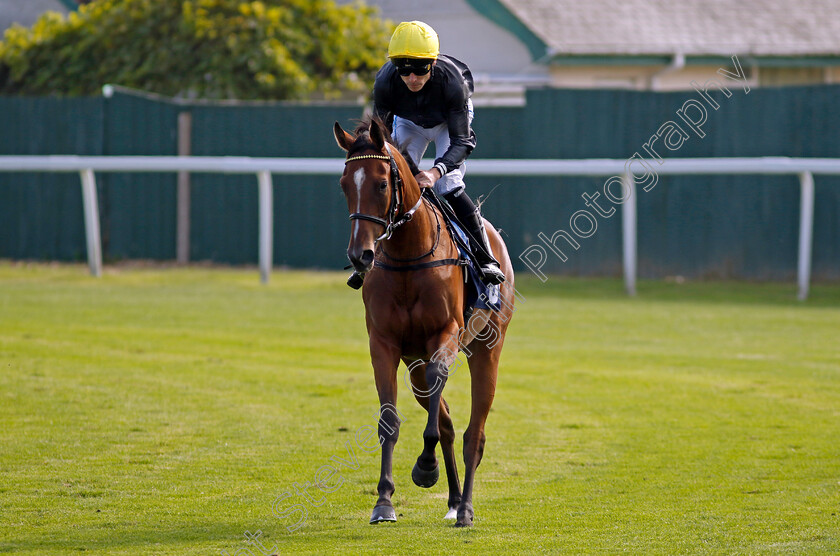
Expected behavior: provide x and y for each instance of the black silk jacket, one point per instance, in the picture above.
(443, 99)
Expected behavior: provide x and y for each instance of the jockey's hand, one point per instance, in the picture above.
(428, 178)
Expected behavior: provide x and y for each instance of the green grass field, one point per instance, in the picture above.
(163, 411)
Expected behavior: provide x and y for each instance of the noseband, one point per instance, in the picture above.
(393, 219)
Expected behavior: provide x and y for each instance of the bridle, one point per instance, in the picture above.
(393, 221)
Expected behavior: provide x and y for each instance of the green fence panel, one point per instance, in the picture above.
(527, 207)
(138, 211)
(724, 227)
(695, 226)
(499, 132)
(310, 214)
(310, 222)
(41, 214)
(825, 259)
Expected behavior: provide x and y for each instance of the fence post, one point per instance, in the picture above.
(266, 200)
(182, 247)
(806, 232)
(628, 234)
(92, 236)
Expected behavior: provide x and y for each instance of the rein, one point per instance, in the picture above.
(427, 253)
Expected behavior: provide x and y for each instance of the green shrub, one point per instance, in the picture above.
(271, 49)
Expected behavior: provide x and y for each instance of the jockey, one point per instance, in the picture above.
(424, 96)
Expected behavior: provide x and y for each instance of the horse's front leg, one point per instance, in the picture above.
(385, 358)
(444, 349)
(447, 435)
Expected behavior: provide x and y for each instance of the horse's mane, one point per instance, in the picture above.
(363, 141)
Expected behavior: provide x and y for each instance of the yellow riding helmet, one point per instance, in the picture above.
(414, 39)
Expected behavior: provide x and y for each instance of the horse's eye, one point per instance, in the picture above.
(383, 185)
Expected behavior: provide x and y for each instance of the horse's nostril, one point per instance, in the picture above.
(361, 261)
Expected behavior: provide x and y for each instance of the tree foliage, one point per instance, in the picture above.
(270, 49)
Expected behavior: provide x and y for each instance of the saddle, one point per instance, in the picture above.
(478, 294)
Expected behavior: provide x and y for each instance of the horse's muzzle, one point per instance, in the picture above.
(362, 260)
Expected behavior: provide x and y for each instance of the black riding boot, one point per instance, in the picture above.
(470, 217)
(480, 245)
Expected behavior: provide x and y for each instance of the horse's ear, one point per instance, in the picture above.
(344, 139)
(377, 135)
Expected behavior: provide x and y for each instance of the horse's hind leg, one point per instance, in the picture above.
(484, 365)
(447, 446)
(447, 439)
(385, 360)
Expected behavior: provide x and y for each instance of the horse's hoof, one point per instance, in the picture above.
(382, 513)
(451, 514)
(423, 478)
(465, 518)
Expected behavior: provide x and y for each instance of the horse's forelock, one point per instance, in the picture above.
(363, 142)
(360, 143)
(362, 133)
(363, 127)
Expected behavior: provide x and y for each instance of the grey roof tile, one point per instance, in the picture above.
(694, 27)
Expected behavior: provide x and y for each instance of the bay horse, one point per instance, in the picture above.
(414, 310)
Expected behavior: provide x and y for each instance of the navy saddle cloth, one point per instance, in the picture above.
(479, 295)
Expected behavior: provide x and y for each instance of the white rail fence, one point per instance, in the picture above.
(263, 168)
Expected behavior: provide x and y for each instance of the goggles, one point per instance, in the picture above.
(407, 66)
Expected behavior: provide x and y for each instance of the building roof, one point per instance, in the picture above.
(690, 27)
